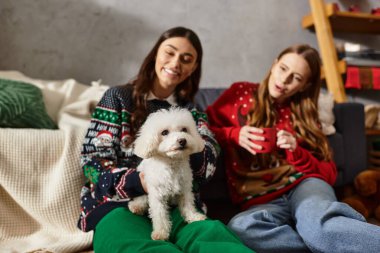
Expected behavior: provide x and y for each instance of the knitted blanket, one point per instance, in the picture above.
(41, 179)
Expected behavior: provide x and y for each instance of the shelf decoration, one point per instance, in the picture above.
(362, 78)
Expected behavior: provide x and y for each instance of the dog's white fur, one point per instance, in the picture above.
(165, 142)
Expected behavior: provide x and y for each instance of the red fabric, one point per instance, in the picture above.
(375, 11)
(376, 78)
(363, 78)
(354, 8)
(353, 78)
(226, 117)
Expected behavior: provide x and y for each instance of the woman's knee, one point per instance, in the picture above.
(312, 189)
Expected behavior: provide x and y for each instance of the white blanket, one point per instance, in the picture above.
(40, 175)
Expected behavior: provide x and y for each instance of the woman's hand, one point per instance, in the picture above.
(142, 179)
(286, 140)
(247, 137)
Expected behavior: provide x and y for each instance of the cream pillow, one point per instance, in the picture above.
(326, 114)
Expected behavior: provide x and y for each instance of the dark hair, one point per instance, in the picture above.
(304, 105)
(184, 92)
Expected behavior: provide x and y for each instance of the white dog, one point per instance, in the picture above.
(165, 142)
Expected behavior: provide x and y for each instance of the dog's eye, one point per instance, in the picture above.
(184, 130)
(165, 132)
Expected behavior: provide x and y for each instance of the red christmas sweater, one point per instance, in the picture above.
(248, 183)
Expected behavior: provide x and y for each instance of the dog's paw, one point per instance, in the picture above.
(136, 208)
(160, 235)
(195, 217)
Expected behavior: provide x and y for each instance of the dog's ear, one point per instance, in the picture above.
(145, 145)
(199, 143)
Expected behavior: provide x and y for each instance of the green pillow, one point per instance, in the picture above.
(22, 106)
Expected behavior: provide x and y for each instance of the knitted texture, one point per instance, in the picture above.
(109, 162)
(40, 174)
(40, 181)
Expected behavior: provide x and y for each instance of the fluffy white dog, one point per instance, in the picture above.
(165, 142)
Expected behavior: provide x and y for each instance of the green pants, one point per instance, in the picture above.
(123, 231)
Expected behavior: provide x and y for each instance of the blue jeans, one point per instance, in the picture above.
(307, 219)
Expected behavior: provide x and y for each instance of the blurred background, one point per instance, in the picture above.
(108, 39)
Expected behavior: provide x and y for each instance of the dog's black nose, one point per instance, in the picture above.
(182, 142)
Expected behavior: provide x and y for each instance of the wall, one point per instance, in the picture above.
(108, 39)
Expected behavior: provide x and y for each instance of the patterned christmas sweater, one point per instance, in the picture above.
(250, 184)
(109, 165)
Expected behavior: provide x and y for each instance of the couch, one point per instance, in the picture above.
(40, 176)
(348, 144)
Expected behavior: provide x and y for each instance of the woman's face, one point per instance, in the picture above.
(175, 61)
(289, 75)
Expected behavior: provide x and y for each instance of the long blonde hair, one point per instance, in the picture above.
(305, 121)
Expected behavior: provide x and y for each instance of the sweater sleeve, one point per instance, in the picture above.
(305, 162)
(204, 163)
(227, 113)
(108, 173)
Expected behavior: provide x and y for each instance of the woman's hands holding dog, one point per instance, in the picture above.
(248, 135)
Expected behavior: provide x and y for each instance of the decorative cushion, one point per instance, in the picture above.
(326, 114)
(372, 113)
(22, 106)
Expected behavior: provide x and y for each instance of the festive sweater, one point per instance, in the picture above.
(250, 184)
(108, 161)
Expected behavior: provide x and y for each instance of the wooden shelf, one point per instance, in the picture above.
(344, 21)
(342, 67)
(374, 153)
(325, 20)
(372, 132)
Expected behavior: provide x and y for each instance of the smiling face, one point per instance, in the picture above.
(176, 59)
(289, 75)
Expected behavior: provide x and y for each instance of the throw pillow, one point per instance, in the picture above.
(326, 114)
(22, 106)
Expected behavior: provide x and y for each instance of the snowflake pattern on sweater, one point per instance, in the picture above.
(109, 165)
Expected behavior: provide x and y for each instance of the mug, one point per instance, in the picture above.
(269, 143)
